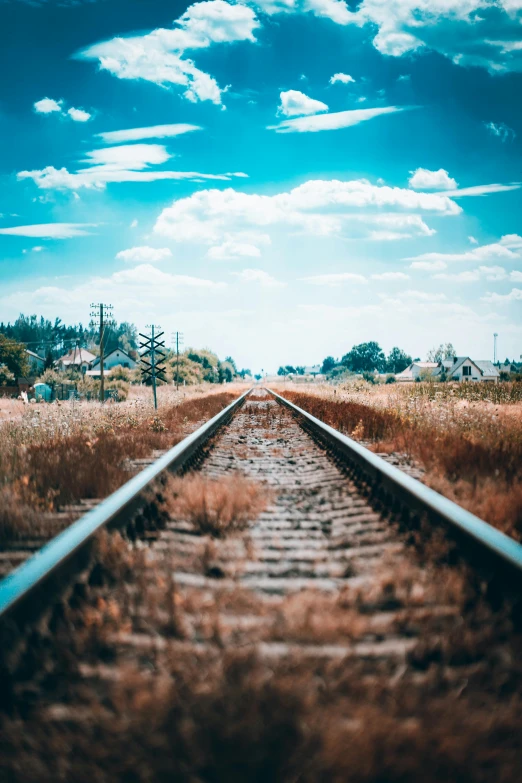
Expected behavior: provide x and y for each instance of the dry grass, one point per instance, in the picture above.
(216, 507)
(471, 454)
(59, 454)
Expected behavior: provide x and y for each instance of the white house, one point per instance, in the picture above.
(417, 370)
(116, 358)
(490, 373)
(77, 359)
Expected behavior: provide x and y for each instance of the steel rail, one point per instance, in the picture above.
(18, 589)
(490, 545)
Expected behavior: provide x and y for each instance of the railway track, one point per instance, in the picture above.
(341, 617)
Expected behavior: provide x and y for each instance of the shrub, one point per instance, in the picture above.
(390, 379)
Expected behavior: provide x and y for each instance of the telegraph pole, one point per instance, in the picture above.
(101, 315)
(177, 338)
(495, 347)
(153, 369)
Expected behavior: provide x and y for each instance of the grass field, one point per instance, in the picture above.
(55, 454)
(469, 446)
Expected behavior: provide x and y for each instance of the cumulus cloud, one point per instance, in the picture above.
(258, 277)
(152, 132)
(391, 276)
(333, 120)
(158, 56)
(429, 266)
(317, 207)
(335, 279)
(47, 106)
(344, 78)
(124, 163)
(483, 190)
(496, 250)
(294, 103)
(515, 295)
(78, 115)
(424, 179)
(50, 230)
(238, 246)
(144, 254)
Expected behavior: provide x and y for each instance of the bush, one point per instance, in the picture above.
(369, 377)
(390, 379)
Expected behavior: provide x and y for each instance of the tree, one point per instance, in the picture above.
(6, 376)
(445, 352)
(365, 357)
(328, 364)
(300, 370)
(397, 360)
(14, 356)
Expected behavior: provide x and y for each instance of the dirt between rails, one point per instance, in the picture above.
(309, 642)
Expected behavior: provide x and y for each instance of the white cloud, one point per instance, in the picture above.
(294, 103)
(515, 295)
(47, 106)
(516, 276)
(259, 277)
(428, 266)
(125, 163)
(317, 207)
(473, 240)
(459, 277)
(152, 132)
(483, 253)
(158, 56)
(50, 230)
(423, 296)
(335, 279)
(237, 247)
(37, 249)
(344, 78)
(78, 115)
(424, 179)
(144, 255)
(512, 241)
(483, 190)
(500, 130)
(493, 272)
(333, 121)
(134, 223)
(391, 276)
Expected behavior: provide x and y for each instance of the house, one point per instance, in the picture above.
(36, 362)
(490, 373)
(116, 358)
(77, 359)
(417, 370)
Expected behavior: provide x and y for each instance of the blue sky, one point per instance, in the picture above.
(277, 179)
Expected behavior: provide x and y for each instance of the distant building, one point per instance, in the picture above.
(116, 358)
(461, 368)
(417, 370)
(36, 362)
(77, 359)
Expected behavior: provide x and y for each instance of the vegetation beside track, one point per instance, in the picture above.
(472, 455)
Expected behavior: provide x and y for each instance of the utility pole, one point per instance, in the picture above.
(177, 339)
(152, 369)
(495, 348)
(101, 315)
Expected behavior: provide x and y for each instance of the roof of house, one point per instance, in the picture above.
(77, 356)
(487, 367)
(459, 361)
(35, 355)
(106, 356)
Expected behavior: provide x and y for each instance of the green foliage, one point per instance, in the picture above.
(397, 360)
(328, 365)
(390, 379)
(6, 376)
(365, 357)
(14, 356)
(369, 377)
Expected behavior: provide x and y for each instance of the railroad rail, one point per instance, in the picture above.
(322, 590)
(388, 484)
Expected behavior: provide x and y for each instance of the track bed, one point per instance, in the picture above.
(317, 644)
